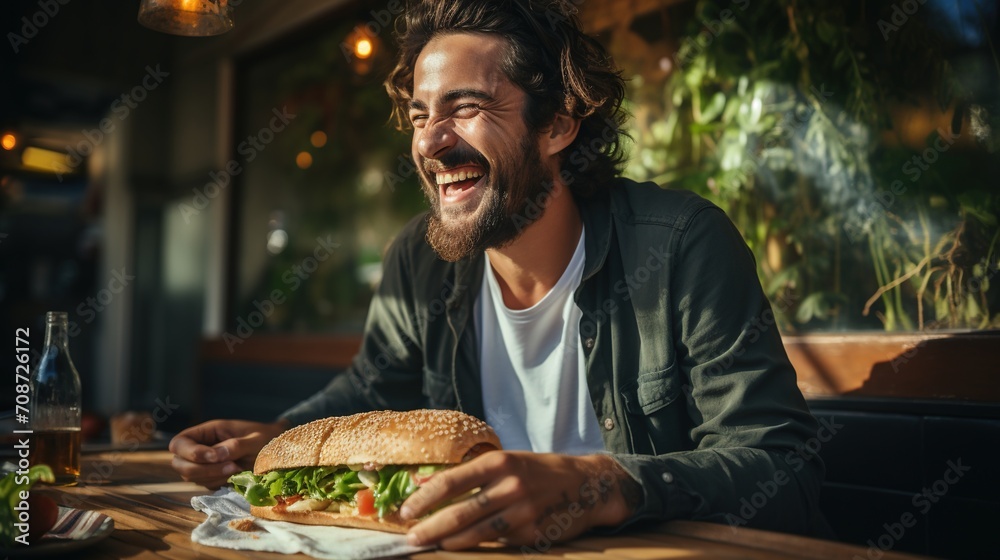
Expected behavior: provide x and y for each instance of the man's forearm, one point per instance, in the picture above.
(717, 485)
(624, 492)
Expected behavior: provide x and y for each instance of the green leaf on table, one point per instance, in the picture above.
(11, 486)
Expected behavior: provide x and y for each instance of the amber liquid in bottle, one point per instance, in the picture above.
(55, 405)
(60, 450)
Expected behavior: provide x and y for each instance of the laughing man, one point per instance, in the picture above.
(614, 334)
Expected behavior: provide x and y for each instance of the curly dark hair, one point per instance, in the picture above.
(559, 67)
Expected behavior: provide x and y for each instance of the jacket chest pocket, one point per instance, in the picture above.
(658, 419)
(438, 390)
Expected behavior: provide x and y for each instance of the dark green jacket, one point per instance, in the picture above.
(686, 370)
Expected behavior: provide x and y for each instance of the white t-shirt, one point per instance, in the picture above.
(533, 371)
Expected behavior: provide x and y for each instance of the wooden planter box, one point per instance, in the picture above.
(926, 366)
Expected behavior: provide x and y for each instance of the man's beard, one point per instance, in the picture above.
(501, 217)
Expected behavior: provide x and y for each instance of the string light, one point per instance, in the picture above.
(318, 139)
(363, 48)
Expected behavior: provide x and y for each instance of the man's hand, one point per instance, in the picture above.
(211, 452)
(524, 497)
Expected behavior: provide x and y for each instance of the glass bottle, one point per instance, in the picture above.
(55, 405)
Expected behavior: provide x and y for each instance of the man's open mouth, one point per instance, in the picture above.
(455, 184)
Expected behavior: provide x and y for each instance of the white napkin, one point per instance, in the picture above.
(334, 543)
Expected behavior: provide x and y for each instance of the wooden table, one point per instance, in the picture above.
(153, 518)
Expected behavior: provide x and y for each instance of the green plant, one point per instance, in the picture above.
(789, 118)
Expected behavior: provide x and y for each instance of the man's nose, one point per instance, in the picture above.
(436, 139)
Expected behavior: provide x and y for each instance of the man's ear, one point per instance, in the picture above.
(561, 133)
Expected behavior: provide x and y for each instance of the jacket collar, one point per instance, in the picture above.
(595, 211)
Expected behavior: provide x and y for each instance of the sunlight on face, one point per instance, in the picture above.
(476, 159)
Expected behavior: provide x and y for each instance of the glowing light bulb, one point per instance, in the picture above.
(8, 141)
(363, 48)
(304, 160)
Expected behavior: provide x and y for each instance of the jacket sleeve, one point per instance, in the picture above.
(754, 462)
(386, 372)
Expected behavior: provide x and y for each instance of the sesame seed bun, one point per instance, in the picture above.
(418, 437)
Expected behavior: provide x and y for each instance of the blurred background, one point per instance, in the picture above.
(212, 211)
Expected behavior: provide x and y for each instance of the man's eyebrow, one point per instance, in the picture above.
(453, 95)
(456, 94)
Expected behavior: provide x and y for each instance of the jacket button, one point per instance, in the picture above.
(609, 424)
(668, 478)
(588, 344)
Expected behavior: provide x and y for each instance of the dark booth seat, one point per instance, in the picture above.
(922, 477)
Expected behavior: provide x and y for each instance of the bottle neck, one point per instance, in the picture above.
(56, 334)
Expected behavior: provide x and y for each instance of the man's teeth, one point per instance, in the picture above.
(448, 178)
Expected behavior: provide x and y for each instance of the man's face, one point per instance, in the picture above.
(478, 162)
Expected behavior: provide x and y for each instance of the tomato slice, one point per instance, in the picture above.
(366, 502)
(285, 501)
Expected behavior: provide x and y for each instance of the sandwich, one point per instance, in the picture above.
(356, 471)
